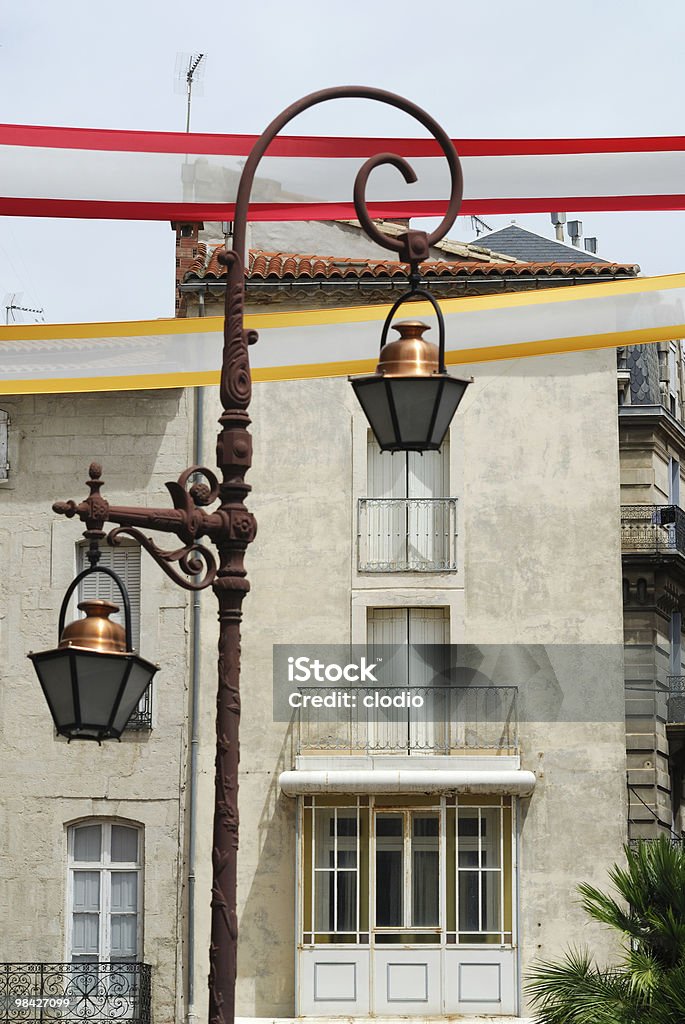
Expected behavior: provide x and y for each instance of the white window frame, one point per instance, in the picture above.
(106, 868)
(444, 935)
(408, 814)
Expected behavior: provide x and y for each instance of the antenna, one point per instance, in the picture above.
(479, 226)
(190, 68)
(12, 305)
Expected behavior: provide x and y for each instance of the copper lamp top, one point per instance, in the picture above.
(410, 355)
(95, 632)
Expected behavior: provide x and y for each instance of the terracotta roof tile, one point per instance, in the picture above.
(279, 266)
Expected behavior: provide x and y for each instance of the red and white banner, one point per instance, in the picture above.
(83, 172)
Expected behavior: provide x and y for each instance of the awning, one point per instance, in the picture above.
(507, 782)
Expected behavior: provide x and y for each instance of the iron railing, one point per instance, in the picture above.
(407, 534)
(676, 699)
(141, 719)
(652, 528)
(74, 993)
(451, 719)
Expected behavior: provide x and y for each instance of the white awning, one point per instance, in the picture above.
(512, 782)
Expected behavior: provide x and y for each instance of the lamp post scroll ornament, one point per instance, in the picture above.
(229, 526)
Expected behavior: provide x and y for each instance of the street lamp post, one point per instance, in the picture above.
(230, 527)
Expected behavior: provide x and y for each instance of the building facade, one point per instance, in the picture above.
(390, 865)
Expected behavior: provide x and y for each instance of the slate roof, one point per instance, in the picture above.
(643, 363)
(531, 247)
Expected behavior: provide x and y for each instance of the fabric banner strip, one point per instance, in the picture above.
(90, 173)
(37, 359)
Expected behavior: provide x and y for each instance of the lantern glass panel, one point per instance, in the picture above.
(450, 397)
(373, 398)
(415, 401)
(99, 680)
(54, 672)
(136, 685)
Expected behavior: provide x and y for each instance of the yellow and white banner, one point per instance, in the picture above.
(36, 359)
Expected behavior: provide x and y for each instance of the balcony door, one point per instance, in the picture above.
(411, 527)
(419, 637)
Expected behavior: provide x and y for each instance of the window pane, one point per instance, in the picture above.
(425, 889)
(425, 871)
(85, 934)
(389, 870)
(490, 837)
(124, 844)
(450, 830)
(87, 891)
(324, 889)
(124, 935)
(490, 900)
(325, 837)
(468, 837)
(347, 901)
(468, 901)
(124, 891)
(87, 841)
(346, 825)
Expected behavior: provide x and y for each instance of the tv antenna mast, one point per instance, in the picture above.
(190, 69)
(479, 226)
(12, 304)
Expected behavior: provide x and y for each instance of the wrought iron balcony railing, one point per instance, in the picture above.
(452, 719)
(407, 534)
(74, 993)
(141, 719)
(652, 529)
(676, 699)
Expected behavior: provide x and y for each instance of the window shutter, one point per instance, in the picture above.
(386, 473)
(428, 474)
(125, 561)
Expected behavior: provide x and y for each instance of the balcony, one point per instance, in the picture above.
(141, 719)
(74, 993)
(676, 700)
(451, 720)
(407, 534)
(652, 529)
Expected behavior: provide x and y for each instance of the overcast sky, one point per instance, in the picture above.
(502, 69)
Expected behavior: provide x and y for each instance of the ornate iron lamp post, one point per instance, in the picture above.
(409, 400)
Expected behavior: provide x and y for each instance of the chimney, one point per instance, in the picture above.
(559, 219)
(575, 230)
(187, 237)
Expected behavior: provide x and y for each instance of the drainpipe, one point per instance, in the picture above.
(199, 406)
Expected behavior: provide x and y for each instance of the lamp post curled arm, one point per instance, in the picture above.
(231, 527)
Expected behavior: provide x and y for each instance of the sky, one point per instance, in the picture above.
(502, 69)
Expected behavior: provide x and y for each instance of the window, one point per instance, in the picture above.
(673, 379)
(382, 871)
(419, 660)
(105, 886)
(125, 561)
(675, 638)
(407, 522)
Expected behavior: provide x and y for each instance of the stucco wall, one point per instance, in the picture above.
(535, 457)
(142, 440)
(535, 468)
